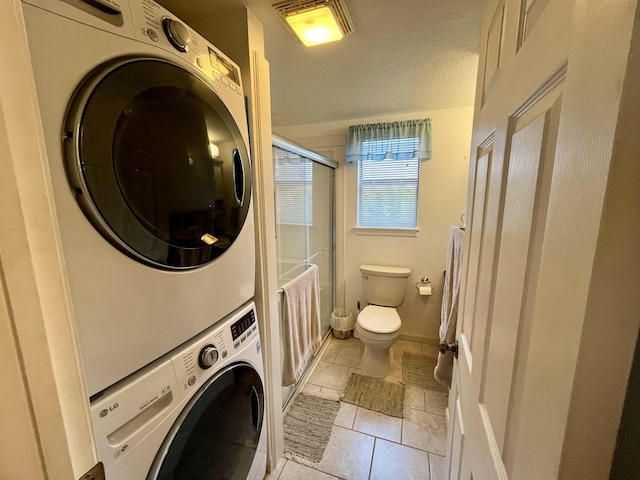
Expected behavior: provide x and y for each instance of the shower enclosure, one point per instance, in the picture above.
(305, 223)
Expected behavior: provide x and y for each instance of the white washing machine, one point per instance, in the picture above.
(197, 413)
(147, 142)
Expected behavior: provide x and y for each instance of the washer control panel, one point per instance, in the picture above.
(243, 329)
(193, 365)
(125, 413)
(208, 356)
(120, 414)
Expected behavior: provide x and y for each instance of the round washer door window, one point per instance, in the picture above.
(217, 434)
(158, 163)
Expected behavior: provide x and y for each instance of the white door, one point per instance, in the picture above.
(551, 77)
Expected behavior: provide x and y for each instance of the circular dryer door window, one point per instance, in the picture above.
(158, 163)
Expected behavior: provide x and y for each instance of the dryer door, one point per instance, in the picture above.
(217, 434)
(158, 163)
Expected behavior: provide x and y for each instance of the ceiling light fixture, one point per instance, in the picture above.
(316, 21)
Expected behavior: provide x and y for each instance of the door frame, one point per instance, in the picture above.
(47, 430)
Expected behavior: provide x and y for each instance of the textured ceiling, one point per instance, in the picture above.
(404, 56)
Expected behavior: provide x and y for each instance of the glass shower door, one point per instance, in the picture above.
(304, 205)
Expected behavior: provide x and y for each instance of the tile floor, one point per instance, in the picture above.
(369, 445)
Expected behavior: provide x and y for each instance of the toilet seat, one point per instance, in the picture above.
(376, 319)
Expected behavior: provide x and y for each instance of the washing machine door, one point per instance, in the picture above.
(158, 163)
(217, 434)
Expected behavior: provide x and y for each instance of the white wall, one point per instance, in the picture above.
(441, 204)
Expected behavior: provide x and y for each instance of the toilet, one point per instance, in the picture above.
(378, 324)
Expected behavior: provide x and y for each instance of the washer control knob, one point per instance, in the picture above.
(177, 34)
(208, 356)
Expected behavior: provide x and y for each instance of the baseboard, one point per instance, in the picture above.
(420, 338)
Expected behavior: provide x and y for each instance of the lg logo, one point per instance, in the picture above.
(104, 412)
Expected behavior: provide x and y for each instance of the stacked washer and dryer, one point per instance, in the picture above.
(147, 142)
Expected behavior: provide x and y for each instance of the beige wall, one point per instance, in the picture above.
(441, 203)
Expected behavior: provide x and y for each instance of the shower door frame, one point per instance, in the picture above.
(281, 142)
(285, 144)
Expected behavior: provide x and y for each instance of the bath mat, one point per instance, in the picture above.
(374, 394)
(307, 428)
(417, 371)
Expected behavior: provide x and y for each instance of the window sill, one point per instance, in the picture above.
(389, 232)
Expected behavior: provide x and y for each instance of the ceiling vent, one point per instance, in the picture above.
(306, 18)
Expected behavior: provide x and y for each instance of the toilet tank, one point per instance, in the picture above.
(384, 285)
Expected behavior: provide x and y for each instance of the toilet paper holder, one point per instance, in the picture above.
(423, 282)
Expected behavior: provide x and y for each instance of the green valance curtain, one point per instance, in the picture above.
(393, 140)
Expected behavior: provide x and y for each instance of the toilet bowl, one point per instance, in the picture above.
(378, 324)
(378, 328)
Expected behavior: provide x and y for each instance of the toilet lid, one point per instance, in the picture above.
(377, 319)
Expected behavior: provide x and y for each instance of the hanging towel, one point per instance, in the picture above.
(449, 312)
(300, 323)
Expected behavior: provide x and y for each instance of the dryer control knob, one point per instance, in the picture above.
(208, 356)
(177, 34)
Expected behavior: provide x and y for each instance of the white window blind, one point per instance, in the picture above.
(388, 188)
(293, 176)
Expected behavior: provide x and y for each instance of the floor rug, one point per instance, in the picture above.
(375, 394)
(417, 371)
(307, 427)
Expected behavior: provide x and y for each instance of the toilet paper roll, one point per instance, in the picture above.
(425, 290)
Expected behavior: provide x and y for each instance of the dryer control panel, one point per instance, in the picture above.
(150, 23)
(155, 25)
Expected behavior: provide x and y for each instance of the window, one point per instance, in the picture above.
(388, 157)
(293, 176)
(388, 188)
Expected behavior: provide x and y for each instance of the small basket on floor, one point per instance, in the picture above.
(341, 323)
(342, 334)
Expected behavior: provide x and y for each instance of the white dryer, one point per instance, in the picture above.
(196, 413)
(147, 141)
